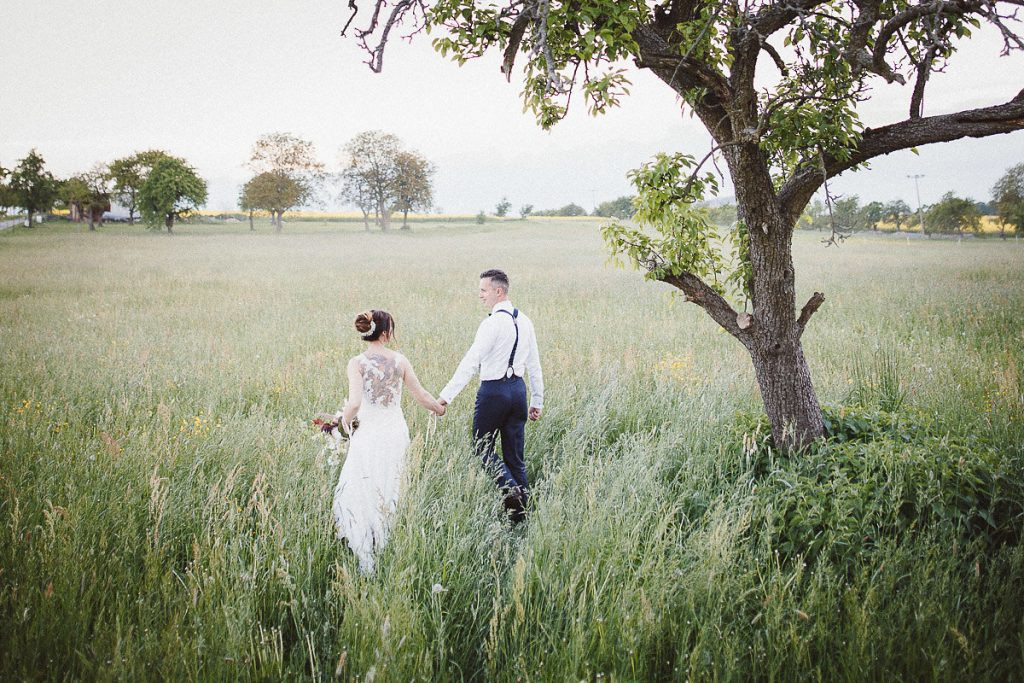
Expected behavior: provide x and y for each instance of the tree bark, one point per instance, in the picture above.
(92, 220)
(783, 375)
(405, 220)
(277, 220)
(169, 222)
(251, 228)
(788, 393)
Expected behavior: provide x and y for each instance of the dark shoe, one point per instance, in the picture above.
(515, 506)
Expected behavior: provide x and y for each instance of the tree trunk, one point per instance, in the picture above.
(92, 220)
(405, 220)
(366, 219)
(773, 338)
(251, 228)
(788, 394)
(277, 220)
(169, 222)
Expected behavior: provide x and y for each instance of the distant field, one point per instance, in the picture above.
(165, 513)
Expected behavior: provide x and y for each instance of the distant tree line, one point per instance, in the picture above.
(381, 177)
(951, 215)
(378, 175)
(160, 187)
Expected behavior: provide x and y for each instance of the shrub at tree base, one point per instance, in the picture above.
(876, 480)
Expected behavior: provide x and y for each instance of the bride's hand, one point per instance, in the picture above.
(440, 409)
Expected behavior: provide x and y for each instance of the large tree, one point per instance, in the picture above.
(872, 214)
(31, 186)
(172, 189)
(777, 84)
(414, 189)
(6, 196)
(896, 212)
(356, 189)
(370, 173)
(274, 192)
(73, 193)
(622, 207)
(952, 214)
(1008, 196)
(288, 173)
(87, 195)
(97, 202)
(128, 174)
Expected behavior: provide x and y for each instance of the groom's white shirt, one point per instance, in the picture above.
(491, 349)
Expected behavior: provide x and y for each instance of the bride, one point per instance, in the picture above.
(367, 492)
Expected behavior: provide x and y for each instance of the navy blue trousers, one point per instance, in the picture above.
(501, 410)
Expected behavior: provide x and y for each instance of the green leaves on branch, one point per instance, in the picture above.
(684, 240)
(813, 107)
(561, 43)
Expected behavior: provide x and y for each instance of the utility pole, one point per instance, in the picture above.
(917, 189)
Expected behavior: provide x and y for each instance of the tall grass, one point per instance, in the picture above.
(165, 512)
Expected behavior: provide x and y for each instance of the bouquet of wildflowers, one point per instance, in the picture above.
(328, 429)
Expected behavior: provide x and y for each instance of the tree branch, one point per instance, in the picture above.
(515, 40)
(914, 132)
(809, 309)
(780, 64)
(698, 291)
(776, 16)
(924, 70)
(684, 76)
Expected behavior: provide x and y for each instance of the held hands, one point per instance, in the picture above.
(442, 408)
(534, 414)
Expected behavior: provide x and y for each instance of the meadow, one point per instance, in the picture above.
(165, 506)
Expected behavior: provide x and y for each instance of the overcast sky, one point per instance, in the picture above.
(90, 81)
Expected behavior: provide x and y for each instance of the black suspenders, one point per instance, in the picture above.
(515, 314)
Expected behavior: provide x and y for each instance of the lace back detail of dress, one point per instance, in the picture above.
(382, 380)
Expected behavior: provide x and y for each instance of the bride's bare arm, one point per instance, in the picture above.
(355, 395)
(422, 396)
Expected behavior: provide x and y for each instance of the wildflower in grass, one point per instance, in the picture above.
(678, 367)
(199, 425)
(29, 408)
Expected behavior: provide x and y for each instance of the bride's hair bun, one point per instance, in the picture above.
(372, 325)
(364, 321)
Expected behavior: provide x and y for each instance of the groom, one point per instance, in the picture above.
(504, 348)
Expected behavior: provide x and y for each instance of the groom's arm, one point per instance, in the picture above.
(536, 376)
(469, 366)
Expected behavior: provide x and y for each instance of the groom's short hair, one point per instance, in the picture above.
(496, 276)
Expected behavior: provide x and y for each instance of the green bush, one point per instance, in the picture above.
(879, 475)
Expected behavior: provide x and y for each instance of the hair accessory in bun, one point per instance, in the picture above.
(373, 325)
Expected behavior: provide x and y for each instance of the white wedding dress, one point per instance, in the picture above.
(367, 492)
